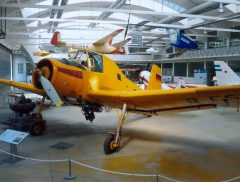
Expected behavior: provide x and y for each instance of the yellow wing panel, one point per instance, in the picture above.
(156, 100)
(23, 86)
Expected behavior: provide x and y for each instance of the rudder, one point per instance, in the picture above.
(155, 80)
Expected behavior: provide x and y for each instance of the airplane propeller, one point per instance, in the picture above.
(46, 84)
(126, 31)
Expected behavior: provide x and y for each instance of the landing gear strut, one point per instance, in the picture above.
(112, 142)
(88, 112)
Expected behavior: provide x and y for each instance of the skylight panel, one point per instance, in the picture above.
(85, 1)
(26, 12)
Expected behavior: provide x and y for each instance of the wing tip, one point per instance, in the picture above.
(119, 30)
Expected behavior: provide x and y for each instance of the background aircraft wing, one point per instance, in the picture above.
(107, 38)
(121, 44)
(23, 86)
(152, 101)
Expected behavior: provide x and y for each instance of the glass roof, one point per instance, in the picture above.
(155, 5)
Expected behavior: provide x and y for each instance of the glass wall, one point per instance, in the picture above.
(180, 69)
(167, 69)
(193, 66)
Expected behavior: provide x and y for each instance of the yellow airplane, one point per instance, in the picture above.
(92, 80)
(103, 45)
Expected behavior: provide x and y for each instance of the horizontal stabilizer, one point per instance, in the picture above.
(121, 44)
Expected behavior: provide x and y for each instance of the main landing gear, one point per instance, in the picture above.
(112, 142)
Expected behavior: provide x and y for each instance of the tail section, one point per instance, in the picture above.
(56, 39)
(225, 75)
(155, 80)
(119, 45)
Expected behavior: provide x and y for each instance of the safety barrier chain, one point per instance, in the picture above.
(103, 170)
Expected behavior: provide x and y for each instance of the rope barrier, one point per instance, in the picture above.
(102, 170)
(32, 159)
(231, 179)
(122, 173)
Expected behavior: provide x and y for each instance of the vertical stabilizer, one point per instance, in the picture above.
(225, 75)
(155, 80)
(56, 39)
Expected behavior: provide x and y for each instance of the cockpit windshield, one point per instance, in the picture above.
(91, 61)
(79, 59)
(97, 62)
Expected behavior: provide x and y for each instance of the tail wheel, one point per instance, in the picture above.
(109, 144)
(37, 129)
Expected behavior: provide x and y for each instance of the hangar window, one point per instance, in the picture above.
(20, 68)
(167, 69)
(180, 69)
(194, 66)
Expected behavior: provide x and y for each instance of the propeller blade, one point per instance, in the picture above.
(27, 56)
(126, 31)
(50, 91)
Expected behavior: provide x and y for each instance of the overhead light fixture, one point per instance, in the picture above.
(128, 2)
(39, 23)
(220, 9)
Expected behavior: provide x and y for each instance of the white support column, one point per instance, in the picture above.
(173, 70)
(11, 70)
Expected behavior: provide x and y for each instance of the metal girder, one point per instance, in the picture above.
(59, 15)
(53, 12)
(113, 22)
(148, 12)
(202, 8)
(226, 1)
(105, 14)
(235, 16)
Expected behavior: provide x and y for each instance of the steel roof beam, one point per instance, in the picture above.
(148, 12)
(112, 22)
(202, 8)
(105, 14)
(226, 1)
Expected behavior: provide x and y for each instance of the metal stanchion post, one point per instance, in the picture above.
(13, 149)
(157, 177)
(237, 104)
(69, 176)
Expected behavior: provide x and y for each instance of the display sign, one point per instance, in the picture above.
(13, 136)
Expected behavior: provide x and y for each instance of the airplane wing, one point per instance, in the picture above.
(107, 38)
(154, 101)
(23, 86)
(41, 53)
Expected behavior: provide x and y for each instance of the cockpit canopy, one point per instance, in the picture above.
(86, 60)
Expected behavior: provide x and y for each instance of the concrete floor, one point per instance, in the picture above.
(192, 146)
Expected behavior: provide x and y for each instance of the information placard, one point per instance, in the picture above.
(13, 136)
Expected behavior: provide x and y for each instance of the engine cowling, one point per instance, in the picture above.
(65, 79)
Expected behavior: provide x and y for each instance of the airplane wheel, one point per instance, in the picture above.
(109, 146)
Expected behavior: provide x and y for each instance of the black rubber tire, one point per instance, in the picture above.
(108, 148)
(36, 129)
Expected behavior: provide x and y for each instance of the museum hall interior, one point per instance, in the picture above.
(120, 90)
